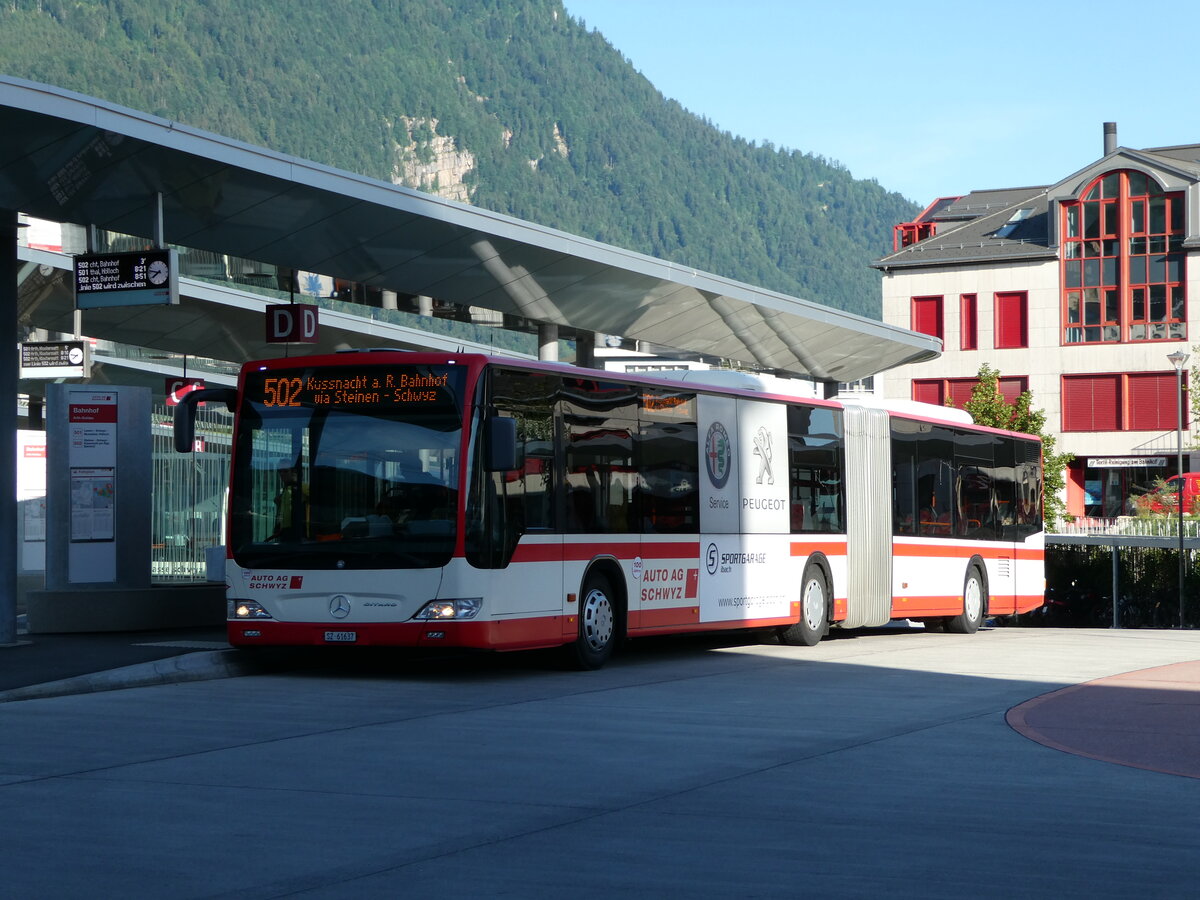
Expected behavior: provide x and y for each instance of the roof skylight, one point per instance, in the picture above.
(1015, 219)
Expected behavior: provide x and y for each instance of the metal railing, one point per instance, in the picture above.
(188, 494)
(1130, 526)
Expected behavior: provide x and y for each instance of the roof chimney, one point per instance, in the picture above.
(1110, 137)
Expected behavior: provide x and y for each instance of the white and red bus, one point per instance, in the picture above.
(419, 499)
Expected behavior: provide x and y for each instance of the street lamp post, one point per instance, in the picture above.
(1178, 358)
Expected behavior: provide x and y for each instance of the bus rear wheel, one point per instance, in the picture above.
(597, 625)
(814, 611)
(974, 603)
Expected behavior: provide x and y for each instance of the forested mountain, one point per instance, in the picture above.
(511, 105)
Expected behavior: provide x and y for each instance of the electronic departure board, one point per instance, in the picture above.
(370, 387)
(145, 277)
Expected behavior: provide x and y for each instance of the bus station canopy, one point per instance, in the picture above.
(71, 158)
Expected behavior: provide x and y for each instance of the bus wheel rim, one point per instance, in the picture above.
(973, 599)
(597, 620)
(814, 605)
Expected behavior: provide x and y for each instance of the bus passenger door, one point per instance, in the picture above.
(535, 575)
(521, 517)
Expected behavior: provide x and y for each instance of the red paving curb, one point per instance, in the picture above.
(1149, 719)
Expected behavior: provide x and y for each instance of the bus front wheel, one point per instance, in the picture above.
(814, 611)
(974, 603)
(597, 625)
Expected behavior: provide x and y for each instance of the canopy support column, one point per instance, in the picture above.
(8, 426)
(548, 343)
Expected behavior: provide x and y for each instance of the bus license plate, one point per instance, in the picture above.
(341, 636)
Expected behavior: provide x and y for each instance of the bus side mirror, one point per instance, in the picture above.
(185, 413)
(501, 448)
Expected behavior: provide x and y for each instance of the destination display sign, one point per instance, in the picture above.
(55, 359)
(662, 405)
(359, 387)
(145, 277)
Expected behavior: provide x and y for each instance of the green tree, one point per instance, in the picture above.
(987, 406)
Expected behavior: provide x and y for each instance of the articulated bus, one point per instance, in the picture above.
(443, 500)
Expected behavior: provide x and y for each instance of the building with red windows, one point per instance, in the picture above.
(1078, 291)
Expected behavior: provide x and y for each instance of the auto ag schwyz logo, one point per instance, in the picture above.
(718, 454)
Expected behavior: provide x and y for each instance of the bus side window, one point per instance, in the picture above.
(1029, 490)
(1004, 488)
(528, 492)
(815, 461)
(668, 478)
(599, 420)
(904, 498)
(935, 479)
(600, 475)
(976, 502)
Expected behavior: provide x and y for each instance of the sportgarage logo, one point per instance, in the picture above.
(718, 454)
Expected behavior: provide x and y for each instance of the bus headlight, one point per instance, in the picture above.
(247, 609)
(441, 610)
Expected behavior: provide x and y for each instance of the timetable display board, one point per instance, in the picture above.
(142, 278)
(55, 359)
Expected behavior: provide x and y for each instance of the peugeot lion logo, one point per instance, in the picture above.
(764, 450)
(339, 606)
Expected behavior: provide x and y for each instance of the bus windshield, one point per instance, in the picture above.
(348, 467)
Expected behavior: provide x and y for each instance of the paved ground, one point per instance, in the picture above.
(1148, 718)
(870, 765)
(72, 662)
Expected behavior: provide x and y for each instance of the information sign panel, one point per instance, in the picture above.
(92, 501)
(1126, 462)
(55, 359)
(176, 388)
(292, 323)
(146, 277)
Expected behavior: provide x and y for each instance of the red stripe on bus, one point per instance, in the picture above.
(687, 619)
(696, 627)
(1027, 602)
(911, 607)
(581, 552)
(835, 547)
(538, 553)
(646, 550)
(684, 617)
(904, 607)
(506, 634)
(1000, 551)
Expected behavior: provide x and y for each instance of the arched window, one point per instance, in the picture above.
(1123, 262)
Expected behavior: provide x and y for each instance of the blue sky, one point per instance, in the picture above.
(931, 98)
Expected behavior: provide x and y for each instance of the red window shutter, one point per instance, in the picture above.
(1013, 387)
(929, 391)
(1091, 402)
(1153, 405)
(927, 315)
(1012, 329)
(968, 318)
(961, 389)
